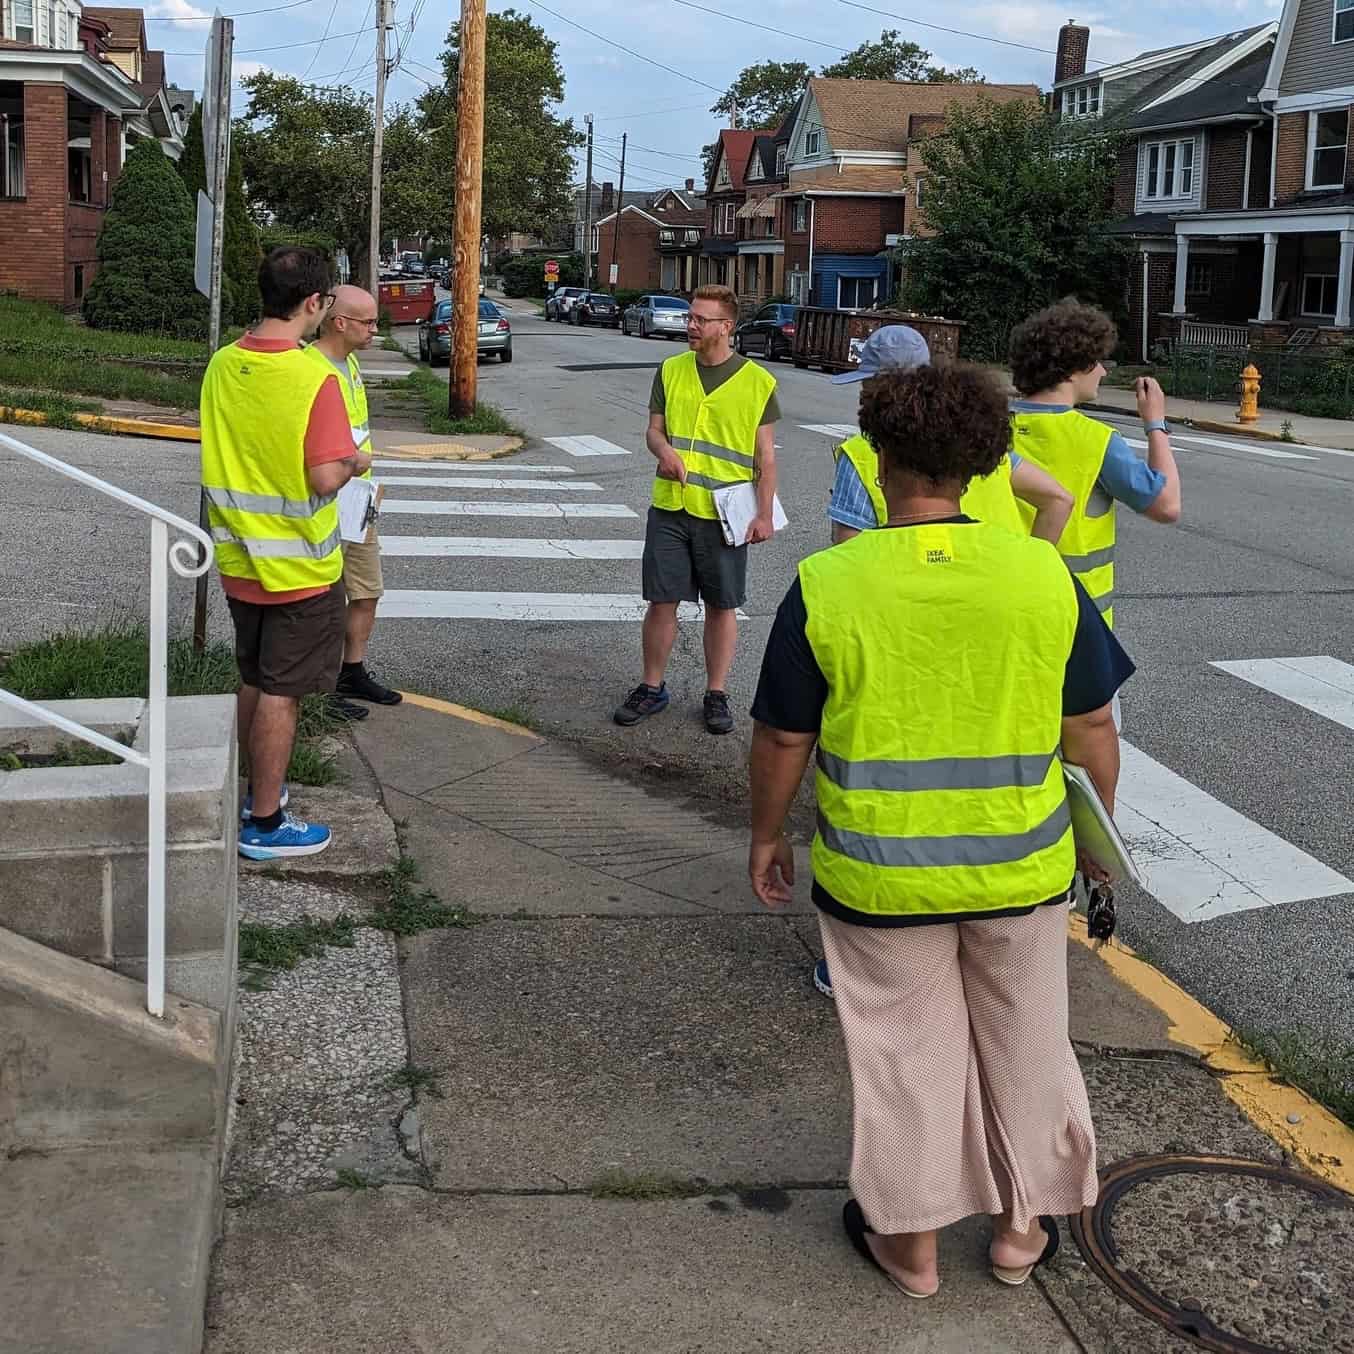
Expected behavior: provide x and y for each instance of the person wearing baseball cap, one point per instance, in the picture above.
(857, 502)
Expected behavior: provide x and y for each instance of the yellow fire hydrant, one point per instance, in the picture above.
(1250, 395)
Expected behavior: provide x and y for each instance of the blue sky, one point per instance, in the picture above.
(665, 112)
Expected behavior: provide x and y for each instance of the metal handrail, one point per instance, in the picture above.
(189, 558)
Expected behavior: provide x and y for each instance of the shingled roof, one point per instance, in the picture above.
(126, 27)
(736, 147)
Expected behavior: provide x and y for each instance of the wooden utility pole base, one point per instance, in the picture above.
(465, 296)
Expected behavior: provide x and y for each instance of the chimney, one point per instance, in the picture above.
(608, 194)
(691, 185)
(1073, 40)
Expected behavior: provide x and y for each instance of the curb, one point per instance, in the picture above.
(107, 423)
(1208, 426)
(470, 716)
(1300, 1125)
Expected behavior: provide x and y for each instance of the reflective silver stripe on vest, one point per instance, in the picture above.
(361, 431)
(937, 773)
(706, 482)
(1080, 564)
(714, 450)
(943, 852)
(273, 504)
(289, 547)
(1103, 604)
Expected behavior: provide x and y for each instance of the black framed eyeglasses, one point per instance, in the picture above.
(328, 298)
(357, 319)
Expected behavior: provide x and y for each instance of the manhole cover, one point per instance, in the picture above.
(1237, 1256)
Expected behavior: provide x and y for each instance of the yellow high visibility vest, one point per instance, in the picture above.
(1071, 447)
(715, 434)
(939, 786)
(989, 499)
(354, 399)
(267, 523)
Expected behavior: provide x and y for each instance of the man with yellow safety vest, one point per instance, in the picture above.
(857, 502)
(1057, 359)
(347, 330)
(712, 417)
(277, 446)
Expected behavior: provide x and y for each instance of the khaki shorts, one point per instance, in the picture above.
(362, 578)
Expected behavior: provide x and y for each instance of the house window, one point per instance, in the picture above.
(917, 189)
(1318, 294)
(78, 166)
(11, 155)
(23, 20)
(1170, 169)
(799, 216)
(856, 293)
(596, 238)
(780, 157)
(813, 142)
(1082, 102)
(79, 280)
(1199, 278)
(667, 237)
(1327, 137)
(1344, 21)
(726, 215)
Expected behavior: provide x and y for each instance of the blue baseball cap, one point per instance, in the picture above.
(895, 347)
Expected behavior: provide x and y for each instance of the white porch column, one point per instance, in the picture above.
(1342, 283)
(1181, 272)
(1267, 279)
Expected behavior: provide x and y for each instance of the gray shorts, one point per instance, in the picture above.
(686, 559)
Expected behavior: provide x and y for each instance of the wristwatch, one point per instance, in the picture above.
(1156, 425)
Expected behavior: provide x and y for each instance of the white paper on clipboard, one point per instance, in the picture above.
(355, 500)
(737, 506)
(1093, 829)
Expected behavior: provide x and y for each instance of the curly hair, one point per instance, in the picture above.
(1057, 342)
(942, 422)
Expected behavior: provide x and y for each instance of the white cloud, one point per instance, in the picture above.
(175, 9)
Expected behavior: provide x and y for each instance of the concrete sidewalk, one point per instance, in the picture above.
(631, 1127)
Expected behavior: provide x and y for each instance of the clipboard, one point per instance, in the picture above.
(1093, 829)
(358, 503)
(737, 506)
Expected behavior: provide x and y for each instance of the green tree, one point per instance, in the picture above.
(892, 57)
(528, 147)
(1018, 211)
(145, 250)
(240, 251)
(764, 94)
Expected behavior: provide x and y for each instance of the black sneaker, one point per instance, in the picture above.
(642, 702)
(357, 681)
(346, 710)
(718, 716)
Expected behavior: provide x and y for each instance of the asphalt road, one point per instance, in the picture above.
(1237, 791)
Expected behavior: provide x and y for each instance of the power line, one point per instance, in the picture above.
(207, 18)
(348, 65)
(653, 150)
(941, 28)
(652, 112)
(315, 55)
(766, 28)
(283, 47)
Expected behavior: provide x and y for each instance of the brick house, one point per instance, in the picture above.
(656, 246)
(725, 195)
(1231, 240)
(77, 87)
(853, 160)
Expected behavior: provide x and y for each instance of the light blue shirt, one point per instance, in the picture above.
(850, 501)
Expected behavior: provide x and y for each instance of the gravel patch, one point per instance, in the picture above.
(317, 1050)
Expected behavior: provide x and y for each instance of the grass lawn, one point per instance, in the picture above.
(59, 410)
(421, 389)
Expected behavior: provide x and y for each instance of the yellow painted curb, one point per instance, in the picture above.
(1306, 1129)
(107, 423)
(464, 712)
(449, 451)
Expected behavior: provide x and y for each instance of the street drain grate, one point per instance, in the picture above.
(613, 366)
(1273, 1249)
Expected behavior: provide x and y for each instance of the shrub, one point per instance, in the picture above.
(145, 251)
(524, 275)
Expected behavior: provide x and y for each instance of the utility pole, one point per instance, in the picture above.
(614, 279)
(216, 148)
(463, 380)
(378, 138)
(587, 211)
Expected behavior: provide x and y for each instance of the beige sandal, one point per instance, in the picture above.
(1015, 1277)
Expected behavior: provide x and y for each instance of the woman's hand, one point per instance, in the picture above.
(771, 868)
(1090, 869)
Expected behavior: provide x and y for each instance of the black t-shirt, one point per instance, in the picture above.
(792, 692)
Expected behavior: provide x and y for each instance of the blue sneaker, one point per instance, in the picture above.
(821, 979)
(642, 702)
(247, 804)
(293, 838)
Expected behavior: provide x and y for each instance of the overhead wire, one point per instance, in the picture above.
(315, 55)
(207, 18)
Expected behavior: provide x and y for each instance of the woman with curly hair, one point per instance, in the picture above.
(939, 663)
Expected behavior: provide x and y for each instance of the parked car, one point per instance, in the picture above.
(770, 332)
(657, 317)
(434, 336)
(560, 300)
(415, 267)
(596, 307)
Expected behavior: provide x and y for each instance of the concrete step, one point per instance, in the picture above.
(83, 1064)
(106, 1250)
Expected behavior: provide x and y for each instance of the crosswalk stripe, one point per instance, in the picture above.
(842, 430)
(587, 446)
(472, 467)
(1253, 448)
(423, 507)
(420, 604)
(508, 547)
(471, 482)
(1321, 684)
(1202, 859)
